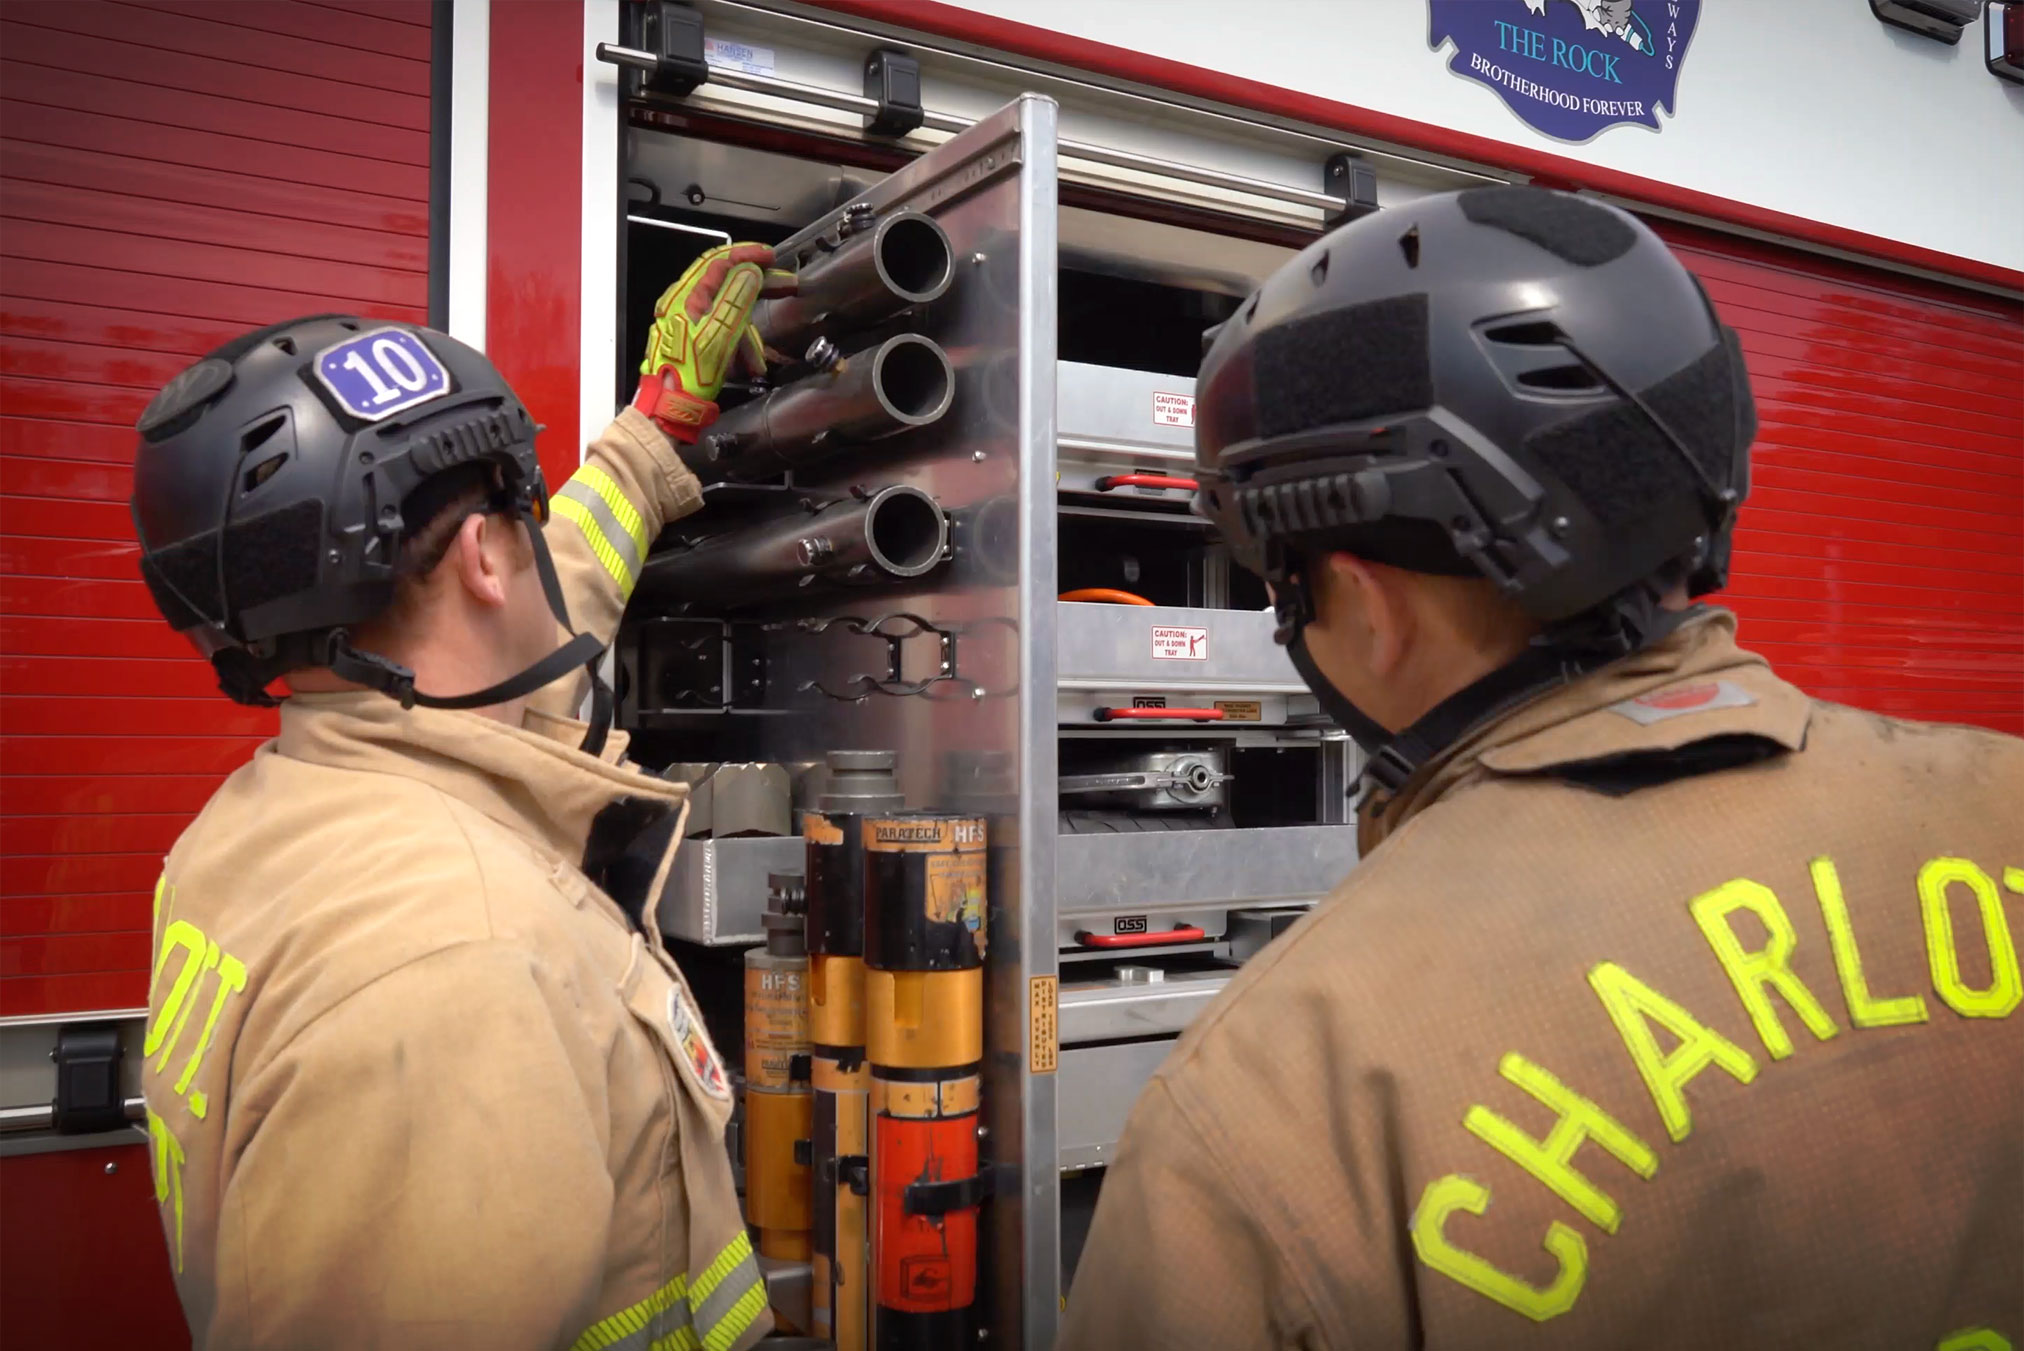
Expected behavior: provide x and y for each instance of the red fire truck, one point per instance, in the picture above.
(528, 173)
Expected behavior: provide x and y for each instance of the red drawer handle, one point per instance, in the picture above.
(1109, 481)
(1185, 933)
(1156, 714)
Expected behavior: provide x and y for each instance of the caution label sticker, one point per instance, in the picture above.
(1175, 643)
(1173, 410)
(1241, 710)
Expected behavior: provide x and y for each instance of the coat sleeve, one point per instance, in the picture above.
(601, 524)
(425, 1166)
(1173, 1257)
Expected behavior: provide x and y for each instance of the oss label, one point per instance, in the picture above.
(1129, 924)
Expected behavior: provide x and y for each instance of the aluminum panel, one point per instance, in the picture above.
(1124, 407)
(1099, 1084)
(1114, 647)
(972, 721)
(716, 890)
(1162, 1004)
(1161, 872)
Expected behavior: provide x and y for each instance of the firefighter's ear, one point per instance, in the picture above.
(484, 552)
(1366, 608)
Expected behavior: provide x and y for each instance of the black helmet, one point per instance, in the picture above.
(274, 482)
(1506, 382)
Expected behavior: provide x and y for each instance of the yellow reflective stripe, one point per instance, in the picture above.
(736, 1251)
(741, 1317)
(614, 497)
(630, 1326)
(593, 535)
(733, 1275)
(633, 1319)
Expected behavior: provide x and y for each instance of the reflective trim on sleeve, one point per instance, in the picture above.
(709, 1314)
(660, 1322)
(606, 487)
(729, 1296)
(611, 546)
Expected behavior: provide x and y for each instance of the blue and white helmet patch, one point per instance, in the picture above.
(377, 374)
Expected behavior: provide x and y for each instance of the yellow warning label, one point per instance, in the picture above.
(1043, 1046)
(956, 892)
(776, 1025)
(1241, 710)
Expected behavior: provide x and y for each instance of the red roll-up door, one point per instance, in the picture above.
(1880, 559)
(172, 172)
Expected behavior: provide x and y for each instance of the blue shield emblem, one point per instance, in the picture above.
(1570, 68)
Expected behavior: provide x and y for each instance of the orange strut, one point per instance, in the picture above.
(1104, 594)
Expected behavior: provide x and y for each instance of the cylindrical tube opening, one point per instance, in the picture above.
(914, 257)
(914, 379)
(906, 531)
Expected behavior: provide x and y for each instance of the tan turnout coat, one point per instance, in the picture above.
(414, 1079)
(1591, 1053)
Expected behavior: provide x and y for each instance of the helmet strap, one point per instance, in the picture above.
(582, 649)
(1558, 656)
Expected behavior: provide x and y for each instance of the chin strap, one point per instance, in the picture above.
(583, 649)
(1561, 654)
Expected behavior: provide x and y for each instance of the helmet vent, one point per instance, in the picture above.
(264, 470)
(260, 433)
(1319, 272)
(1573, 379)
(1533, 333)
(1409, 245)
(286, 344)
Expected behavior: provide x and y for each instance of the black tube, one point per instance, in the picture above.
(875, 272)
(892, 535)
(901, 383)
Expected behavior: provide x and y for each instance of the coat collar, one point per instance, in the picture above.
(1694, 685)
(530, 779)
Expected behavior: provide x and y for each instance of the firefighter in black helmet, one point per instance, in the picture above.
(420, 1071)
(1667, 1006)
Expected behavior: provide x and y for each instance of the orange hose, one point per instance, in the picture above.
(1105, 595)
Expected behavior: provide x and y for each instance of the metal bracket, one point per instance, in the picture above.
(88, 1096)
(1350, 180)
(894, 630)
(892, 79)
(935, 1199)
(665, 49)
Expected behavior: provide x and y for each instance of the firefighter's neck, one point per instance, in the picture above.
(478, 618)
(1397, 643)
(439, 669)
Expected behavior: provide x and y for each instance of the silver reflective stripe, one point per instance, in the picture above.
(615, 536)
(724, 1311)
(726, 1299)
(660, 1322)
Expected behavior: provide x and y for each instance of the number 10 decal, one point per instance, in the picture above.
(377, 374)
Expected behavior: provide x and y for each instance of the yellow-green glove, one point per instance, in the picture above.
(702, 326)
